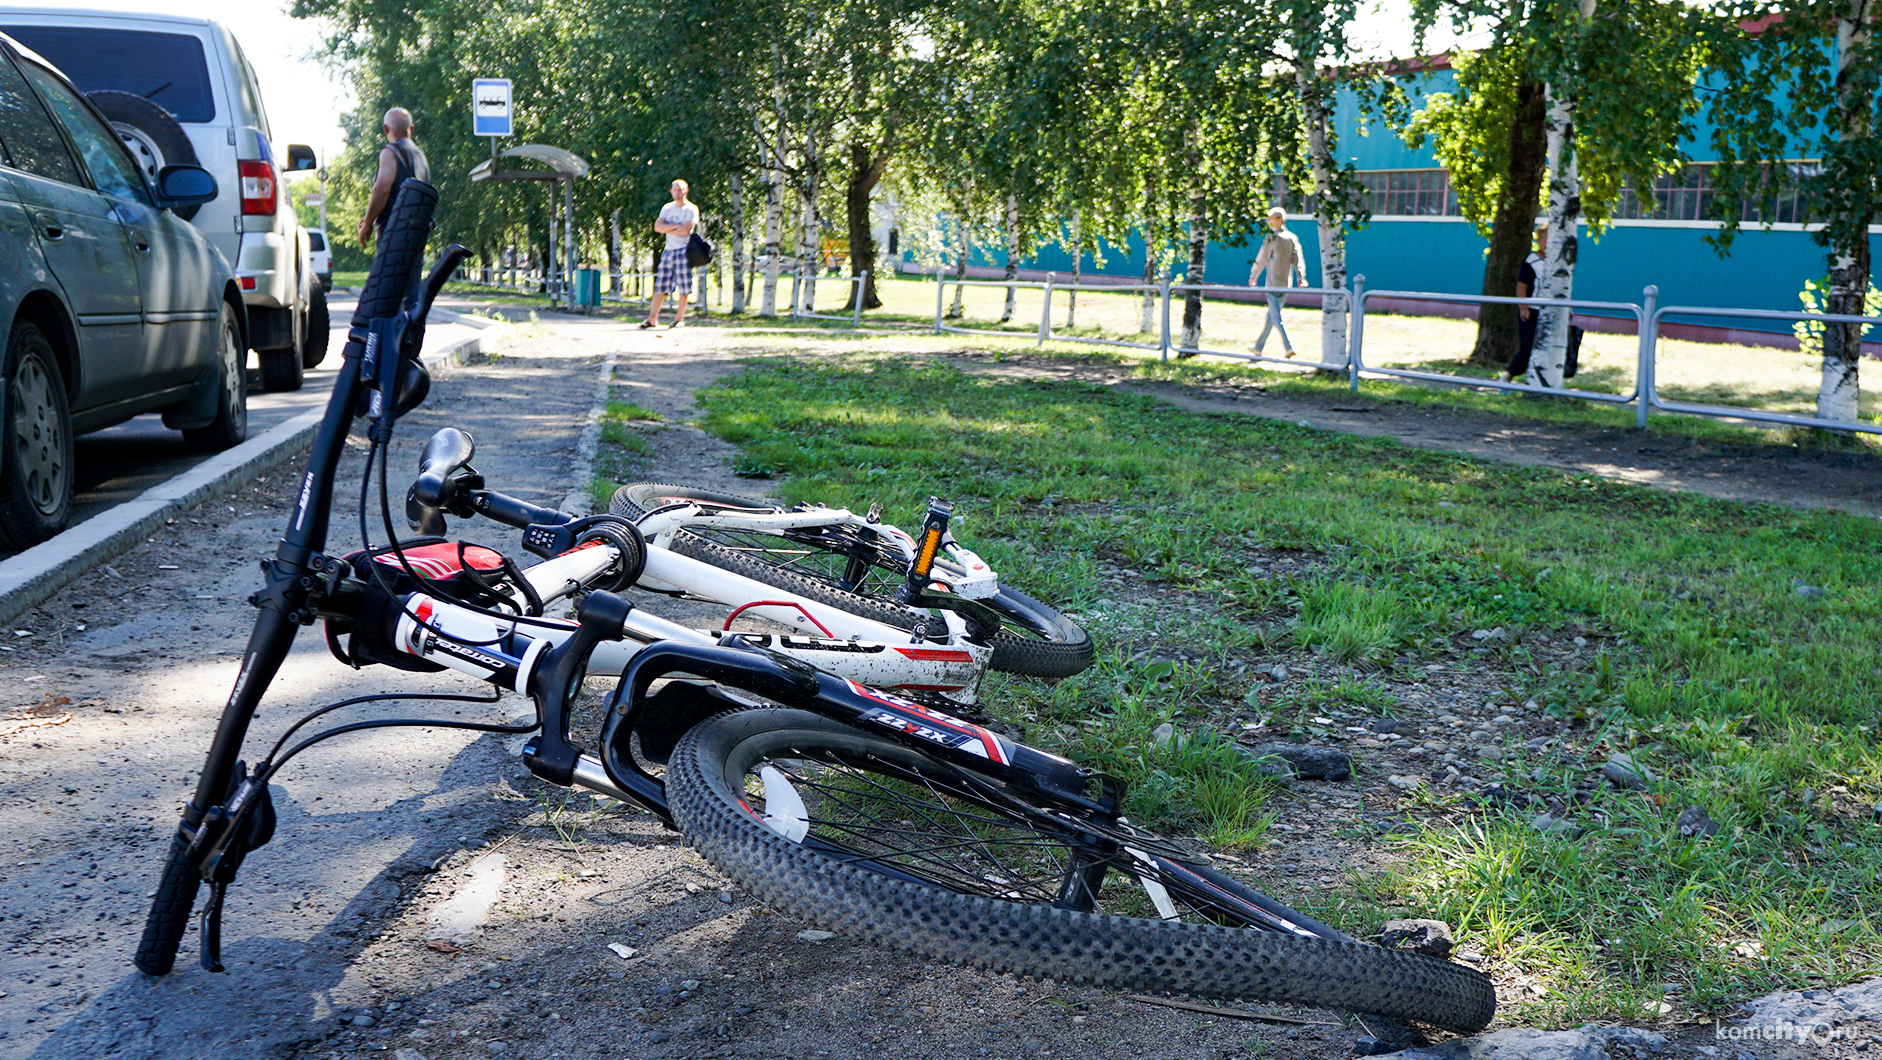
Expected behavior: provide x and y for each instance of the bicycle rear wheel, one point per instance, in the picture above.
(844, 568)
(867, 837)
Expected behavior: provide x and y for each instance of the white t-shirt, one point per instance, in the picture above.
(675, 214)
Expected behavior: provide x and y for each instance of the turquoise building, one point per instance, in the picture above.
(1417, 241)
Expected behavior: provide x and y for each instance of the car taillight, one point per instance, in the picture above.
(258, 188)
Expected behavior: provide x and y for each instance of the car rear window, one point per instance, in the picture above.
(165, 68)
(316, 241)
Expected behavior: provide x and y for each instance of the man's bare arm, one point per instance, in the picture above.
(381, 191)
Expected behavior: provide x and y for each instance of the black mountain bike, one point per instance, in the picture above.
(853, 809)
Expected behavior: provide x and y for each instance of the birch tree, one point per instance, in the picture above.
(1800, 79)
(1316, 40)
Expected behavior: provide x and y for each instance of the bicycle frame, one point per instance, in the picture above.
(870, 652)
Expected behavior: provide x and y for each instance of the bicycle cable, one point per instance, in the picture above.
(268, 767)
(397, 549)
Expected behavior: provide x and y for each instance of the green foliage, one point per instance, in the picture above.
(1630, 71)
(1815, 297)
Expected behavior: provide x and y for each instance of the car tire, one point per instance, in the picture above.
(152, 134)
(230, 427)
(35, 442)
(281, 369)
(319, 328)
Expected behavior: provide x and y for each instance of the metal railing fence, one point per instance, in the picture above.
(1357, 340)
(1169, 293)
(1647, 313)
(1650, 382)
(1161, 290)
(800, 307)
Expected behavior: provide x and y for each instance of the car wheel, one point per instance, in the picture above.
(230, 427)
(35, 442)
(281, 369)
(319, 328)
(152, 134)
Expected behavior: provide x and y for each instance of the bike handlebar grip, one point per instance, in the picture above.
(396, 265)
(512, 512)
(169, 912)
(449, 450)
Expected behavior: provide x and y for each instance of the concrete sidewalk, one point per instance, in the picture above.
(31, 577)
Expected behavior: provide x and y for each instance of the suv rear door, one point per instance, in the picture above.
(87, 249)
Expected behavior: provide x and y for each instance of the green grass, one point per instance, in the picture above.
(624, 451)
(1745, 697)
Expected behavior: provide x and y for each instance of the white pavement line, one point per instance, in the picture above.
(580, 500)
(32, 576)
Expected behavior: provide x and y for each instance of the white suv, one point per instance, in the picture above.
(179, 90)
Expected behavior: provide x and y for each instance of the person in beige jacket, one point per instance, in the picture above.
(1281, 255)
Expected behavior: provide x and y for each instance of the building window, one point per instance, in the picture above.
(1410, 193)
(1687, 196)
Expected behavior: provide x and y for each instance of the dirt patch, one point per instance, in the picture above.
(1788, 475)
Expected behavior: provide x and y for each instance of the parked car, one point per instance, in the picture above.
(110, 305)
(322, 257)
(179, 90)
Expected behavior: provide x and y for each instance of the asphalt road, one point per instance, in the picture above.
(119, 463)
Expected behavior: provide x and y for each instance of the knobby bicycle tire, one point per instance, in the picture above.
(400, 257)
(901, 853)
(169, 912)
(1035, 641)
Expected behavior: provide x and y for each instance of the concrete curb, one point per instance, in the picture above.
(31, 577)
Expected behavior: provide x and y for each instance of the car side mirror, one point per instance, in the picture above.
(185, 186)
(301, 159)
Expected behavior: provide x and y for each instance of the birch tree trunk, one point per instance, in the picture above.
(959, 308)
(774, 218)
(1151, 254)
(1839, 389)
(810, 243)
(1332, 230)
(737, 188)
(1198, 252)
(1078, 262)
(1556, 278)
(614, 253)
(1012, 254)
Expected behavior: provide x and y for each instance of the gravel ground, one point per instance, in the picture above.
(426, 898)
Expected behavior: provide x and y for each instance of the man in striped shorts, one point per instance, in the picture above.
(676, 222)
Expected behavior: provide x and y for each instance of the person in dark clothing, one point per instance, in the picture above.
(399, 161)
(1526, 315)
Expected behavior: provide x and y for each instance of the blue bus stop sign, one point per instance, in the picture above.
(490, 106)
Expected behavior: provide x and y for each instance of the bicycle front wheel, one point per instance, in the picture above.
(845, 568)
(869, 838)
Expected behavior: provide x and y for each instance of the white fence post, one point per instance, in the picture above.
(1649, 348)
(1045, 315)
(1164, 342)
(1356, 299)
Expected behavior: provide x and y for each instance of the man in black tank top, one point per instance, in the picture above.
(399, 161)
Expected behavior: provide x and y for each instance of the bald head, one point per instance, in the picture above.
(398, 123)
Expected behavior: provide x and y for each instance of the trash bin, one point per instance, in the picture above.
(587, 288)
